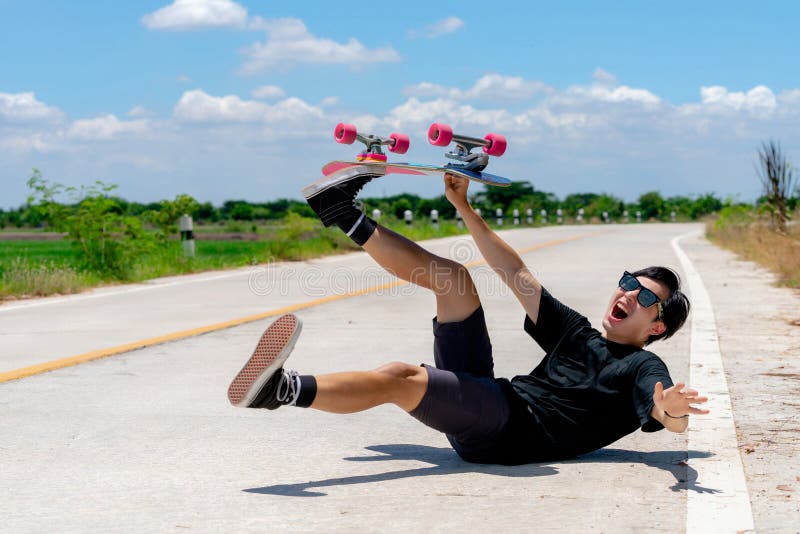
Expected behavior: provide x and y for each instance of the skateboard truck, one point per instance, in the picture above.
(347, 134)
(493, 145)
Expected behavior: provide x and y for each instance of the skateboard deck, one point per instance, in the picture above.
(382, 168)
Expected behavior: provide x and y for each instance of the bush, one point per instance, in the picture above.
(108, 240)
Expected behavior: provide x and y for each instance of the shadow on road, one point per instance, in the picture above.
(674, 462)
(444, 461)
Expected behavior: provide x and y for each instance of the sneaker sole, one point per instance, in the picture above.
(272, 350)
(337, 178)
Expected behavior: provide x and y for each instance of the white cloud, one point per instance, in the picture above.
(599, 136)
(197, 14)
(139, 112)
(438, 28)
(268, 92)
(603, 77)
(604, 93)
(182, 78)
(759, 101)
(24, 107)
(199, 106)
(329, 101)
(105, 128)
(489, 87)
(289, 41)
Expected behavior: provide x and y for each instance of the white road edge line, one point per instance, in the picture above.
(718, 500)
(146, 286)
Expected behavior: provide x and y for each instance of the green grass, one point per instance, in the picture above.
(29, 268)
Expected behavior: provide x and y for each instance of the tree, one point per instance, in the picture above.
(651, 205)
(165, 218)
(704, 205)
(777, 180)
(502, 197)
(109, 240)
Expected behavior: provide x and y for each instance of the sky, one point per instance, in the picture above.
(231, 100)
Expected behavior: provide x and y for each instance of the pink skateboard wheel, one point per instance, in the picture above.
(440, 134)
(497, 145)
(345, 133)
(401, 143)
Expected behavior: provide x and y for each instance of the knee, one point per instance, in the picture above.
(399, 370)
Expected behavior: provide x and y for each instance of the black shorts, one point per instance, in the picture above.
(463, 399)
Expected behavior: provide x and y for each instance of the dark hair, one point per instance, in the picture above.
(676, 307)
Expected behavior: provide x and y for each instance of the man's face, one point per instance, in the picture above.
(628, 322)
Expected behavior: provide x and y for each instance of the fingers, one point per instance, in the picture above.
(698, 411)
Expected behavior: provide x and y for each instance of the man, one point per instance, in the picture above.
(591, 388)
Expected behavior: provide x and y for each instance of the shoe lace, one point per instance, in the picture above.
(288, 389)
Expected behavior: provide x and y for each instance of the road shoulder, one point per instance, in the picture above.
(759, 341)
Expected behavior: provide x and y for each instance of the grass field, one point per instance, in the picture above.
(753, 239)
(39, 268)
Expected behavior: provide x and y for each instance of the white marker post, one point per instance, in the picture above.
(529, 214)
(543, 213)
(499, 213)
(459, 222)
(560, 215)
(187, 235)
(435, 218)
(408, 216)
(376, 214)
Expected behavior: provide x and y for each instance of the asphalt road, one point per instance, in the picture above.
(145, 440)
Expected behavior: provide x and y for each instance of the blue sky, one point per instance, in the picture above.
(223, 99)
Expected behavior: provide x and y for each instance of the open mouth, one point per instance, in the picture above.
(618, 313)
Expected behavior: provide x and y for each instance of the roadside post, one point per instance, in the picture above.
(187, 235)
(408, 216)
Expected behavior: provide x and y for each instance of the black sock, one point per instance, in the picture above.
(359, 227)
(308, 391)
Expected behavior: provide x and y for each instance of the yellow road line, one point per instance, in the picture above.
(40, 368)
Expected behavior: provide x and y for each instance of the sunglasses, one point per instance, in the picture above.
(646, 297)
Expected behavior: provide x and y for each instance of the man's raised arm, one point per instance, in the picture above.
(503, 259)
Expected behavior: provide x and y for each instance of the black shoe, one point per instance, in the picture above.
(333, 198)
(262, 382)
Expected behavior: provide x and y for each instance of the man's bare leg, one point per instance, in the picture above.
(397, 383)
(456, 295)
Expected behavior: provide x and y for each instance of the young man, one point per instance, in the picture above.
(591, 388)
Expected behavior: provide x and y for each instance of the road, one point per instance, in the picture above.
(144, 440)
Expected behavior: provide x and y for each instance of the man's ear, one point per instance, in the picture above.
(658, 328)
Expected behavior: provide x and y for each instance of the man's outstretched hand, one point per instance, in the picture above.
(677, 401)
(455, 189)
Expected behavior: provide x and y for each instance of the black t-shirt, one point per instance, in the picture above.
(586, 393)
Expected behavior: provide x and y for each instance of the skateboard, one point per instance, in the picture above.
(467, 164)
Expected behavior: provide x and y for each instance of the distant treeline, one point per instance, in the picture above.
(520, 195)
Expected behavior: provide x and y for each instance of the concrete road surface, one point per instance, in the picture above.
(145, 441)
